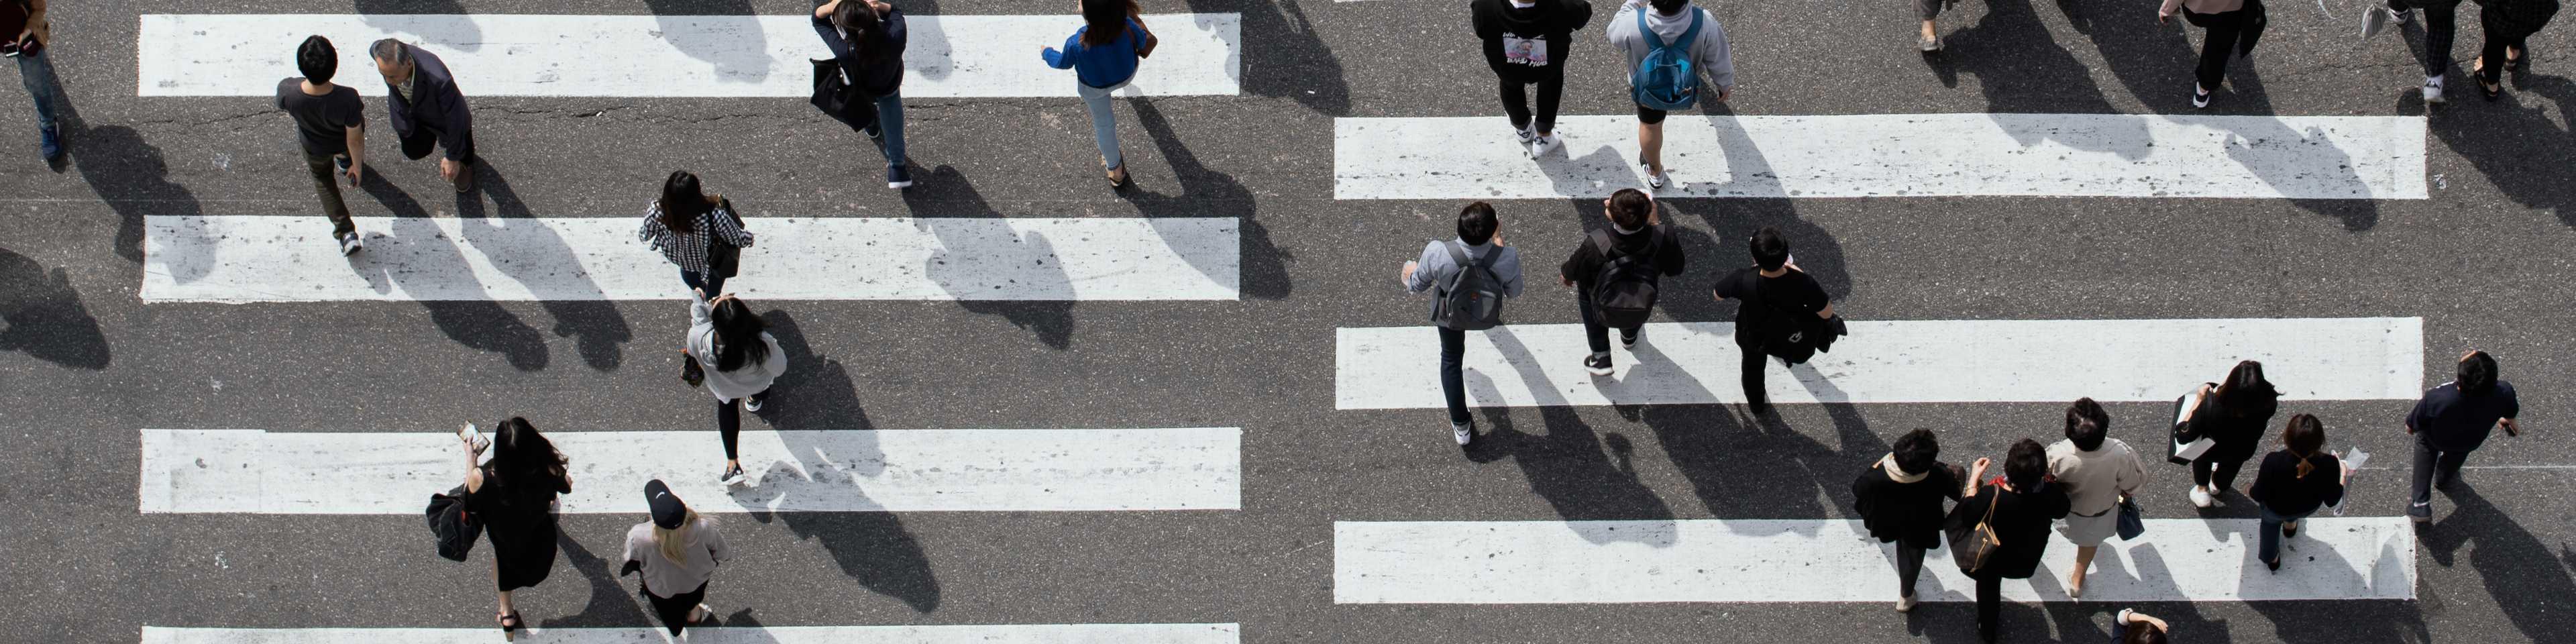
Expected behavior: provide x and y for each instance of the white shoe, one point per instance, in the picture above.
(349, 245)
(1905, 604)
(2433, 90)
(1527, 134)
(1541, 144)
(2200, 497)
(1654, 180)
(751, 403)
(1464, 433)
(1930, 44)
(2199, 99)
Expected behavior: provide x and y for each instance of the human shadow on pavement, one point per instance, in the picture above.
(2020, 67)
(955, 264)
(477, 322)
(2515, 141)
(714, 31)
(132, 177)
(378, 13)
(1281, 54)
(599, 330)
(1567, 465)
(45, 317)
(2526, 579)
(611, 602)
(1261, 270)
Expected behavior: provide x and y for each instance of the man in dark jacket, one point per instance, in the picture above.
(2453, 420)
(1636, 231)
(1525, 43)
(427, 109)
(1777, 302)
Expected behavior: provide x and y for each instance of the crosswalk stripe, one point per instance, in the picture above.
(957, 634)
(1914, 361)
(1889, 155)
(262, 472)
(642, 55)
(292, 259)
(1586, 562)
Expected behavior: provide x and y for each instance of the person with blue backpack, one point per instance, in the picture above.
(1670, 44)
(1468, 278)
(1616, 274)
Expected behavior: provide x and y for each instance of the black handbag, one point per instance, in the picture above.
(723, 258)
(2132, 523)
(449, 523)
(838, 98)
(1971, 542)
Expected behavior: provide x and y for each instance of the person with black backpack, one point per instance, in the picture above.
(867, 39)
(1668, 48)
(1616, 272)
(1526, 43)
(1468, 278)
(1782, 312)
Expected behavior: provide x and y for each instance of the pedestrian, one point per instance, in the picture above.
(2453, 420)
(1103, 55)
(1616, 273)
(331, 124)
(1526, 43)
(427, 109)
(2507, 23)
(1931, 9)
(513, 496)
(1468, 278)
(1899, 501)
(867, 39)
(2292, 483)
(741, 359)
(2133, 627)
(2440, 26)
(24, 21)
(686, 223)
(2097, 472)
(2232, 26)
(2234, 415)
(1669, 43)
(2019, 506)
(1779, 304)
(676, 549)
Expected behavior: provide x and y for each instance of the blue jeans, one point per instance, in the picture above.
(713, 285)
(37, 73)
(889, 129)
(1104, 125)
(2269, 544)
(1453, 386)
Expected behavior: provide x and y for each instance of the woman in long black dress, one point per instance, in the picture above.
(1900, 501)
(2025, 504)
(2235, 414)
(513, 496)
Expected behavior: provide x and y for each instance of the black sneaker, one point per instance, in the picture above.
(1599, 365)
(897, 178)
(732, 476)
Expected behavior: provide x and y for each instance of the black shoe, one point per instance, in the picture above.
(1758, 408)
(1598, 365)
(732, 476)
(2290, 531)
(2275, 565)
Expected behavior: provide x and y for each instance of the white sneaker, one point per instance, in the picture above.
(1905, 604)
(2199, 98)
(1527, 134)
(2433, 90)
(349, 245)
(1462, 432)
(750, 404)
(1541, 144)
(2199, 496)
(1654, 180)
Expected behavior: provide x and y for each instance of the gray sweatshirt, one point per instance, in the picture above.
(698, 558)
(1708, 53)
(1435, 269)
(738, 383)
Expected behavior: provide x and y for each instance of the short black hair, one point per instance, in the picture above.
(1629, 208)
(317, 59)
(391, 51)
(2087, 424)
(1476, 223)
(1918, 451)
(2477, 372)
(2144, 633)
(1668, 7)
(2026, 465)
(2304, 435)
(1770, 250)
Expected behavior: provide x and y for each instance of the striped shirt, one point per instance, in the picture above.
(688, 250)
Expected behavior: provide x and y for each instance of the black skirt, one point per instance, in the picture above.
(674, 610)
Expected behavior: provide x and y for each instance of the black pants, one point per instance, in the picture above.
(2500, 35)
(2432, 465)
(1453, 380)
(1551, 87)
(674, 610)
(326, 185)
(729, 420)
(1754, 393)
(1990, 605)
(2441, 22)
(709, 282)
(2212, 468)
(1909, 565)
(2230, 33)
(1595, 331)
(424, 137)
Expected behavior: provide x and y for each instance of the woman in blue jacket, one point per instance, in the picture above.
(1103, 55)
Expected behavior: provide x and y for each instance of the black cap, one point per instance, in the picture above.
(667, 509)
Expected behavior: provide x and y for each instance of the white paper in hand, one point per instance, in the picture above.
(2353, 459)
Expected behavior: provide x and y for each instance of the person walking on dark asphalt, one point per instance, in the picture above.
(1616, 273)
(2507, 23)
(1525, 43)
(1103, 55)
(1899, 499)
(675, 550)
(1931, 9)
(23, 21)
(1670, 44)
(331, 126)
(2234, 415)
(2454, 419)
(686, 223)
(427, 109)
(1476, 262)
(741, 360)
(513, 496)
(2019, 506)
(2232, 26)
(2441, 25)
(2096, 471)
(1779, 304)
(2292, 483)
(867, 39)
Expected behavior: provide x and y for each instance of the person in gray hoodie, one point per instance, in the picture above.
(1669, 20)
(1480, 234)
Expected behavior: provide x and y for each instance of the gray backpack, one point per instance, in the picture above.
(1473, 299)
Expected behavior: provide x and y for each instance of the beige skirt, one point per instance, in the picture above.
(2087, 531)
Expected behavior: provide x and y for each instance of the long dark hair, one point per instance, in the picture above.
(2246, 394)
(521, 456)
(862, 28)
(682, 203)
(1107, 20)
(738, 332)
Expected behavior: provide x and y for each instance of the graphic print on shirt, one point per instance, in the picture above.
(1524, 51)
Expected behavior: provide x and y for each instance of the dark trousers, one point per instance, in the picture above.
(2268, 545)
(1909, 565)
(424, 138)
(2230, 33)
(1990, 604)
(1754, 393)
(326, 185)
(1516, 102)
(1595, 332)
(674, 610)
(729, 421)
(1453, 380)
(2500, 35)
(2432, 465)
(2441, 22)
(709, 282)
(2210, 469)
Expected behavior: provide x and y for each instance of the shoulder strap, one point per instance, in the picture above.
(1692, 35)
(1457, 253)
(1648, 33)
(1601, 244)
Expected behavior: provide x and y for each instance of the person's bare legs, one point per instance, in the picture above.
(2083, 563)
(507, 608)
(1930, 32)
(1650, 146)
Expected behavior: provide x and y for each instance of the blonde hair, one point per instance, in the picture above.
(672, 539)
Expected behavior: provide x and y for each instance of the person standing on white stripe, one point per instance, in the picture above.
(741, 359)
(331, 124)
(1782, 312)
(1467, 277)
(1103, 55)
(1669, 46)
(1526, 41)
(2018, 506)
(514, 498)
(2097, 472)
(687, 224)
(2292, 483)
(1618, 274)
(676, 550)
(1899, 499)
(2234, 415)
(867, 39)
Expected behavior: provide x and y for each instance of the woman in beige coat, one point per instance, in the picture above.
(2097, 471)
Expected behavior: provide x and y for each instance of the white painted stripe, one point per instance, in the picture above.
(292, 259)
(261, 472)
(1601, 562)
(2030, 155)
(642, 55)
(960, 634)
(1925, 361)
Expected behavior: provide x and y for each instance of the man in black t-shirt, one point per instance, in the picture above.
(331, 123)
(1775, 299)
(2453, 420)
(1636, 230)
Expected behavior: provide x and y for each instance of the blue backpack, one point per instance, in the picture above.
(1665, 79)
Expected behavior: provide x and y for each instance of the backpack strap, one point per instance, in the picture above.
(1652, 41)
(1690, 36)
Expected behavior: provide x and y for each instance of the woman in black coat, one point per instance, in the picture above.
(2507, 23)
(1899, 500)
(2235, 414)
(513, 496)
(2022, 506)
(2292, 483)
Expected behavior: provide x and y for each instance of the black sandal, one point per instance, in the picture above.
(2479, 71)
(510, 625)
(2516, 64)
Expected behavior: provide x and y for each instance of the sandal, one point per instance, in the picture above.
(2516, 64)
(2479, 70)
(510, 625)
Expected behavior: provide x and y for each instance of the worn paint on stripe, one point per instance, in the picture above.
(1915, 361)
(262, 472)
(958, 634)
(1601, 562)
(293, 259)
(1894, 155)
(664, 56)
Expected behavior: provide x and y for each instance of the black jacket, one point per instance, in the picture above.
(877, 78)
(2021, 522)
(1552, 22)
(1911, 512)
(435, 103)
(2277, 484)
(1587, 260)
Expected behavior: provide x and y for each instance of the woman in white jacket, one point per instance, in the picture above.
(740, 358)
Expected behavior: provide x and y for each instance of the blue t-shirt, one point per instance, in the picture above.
(1104, 66)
